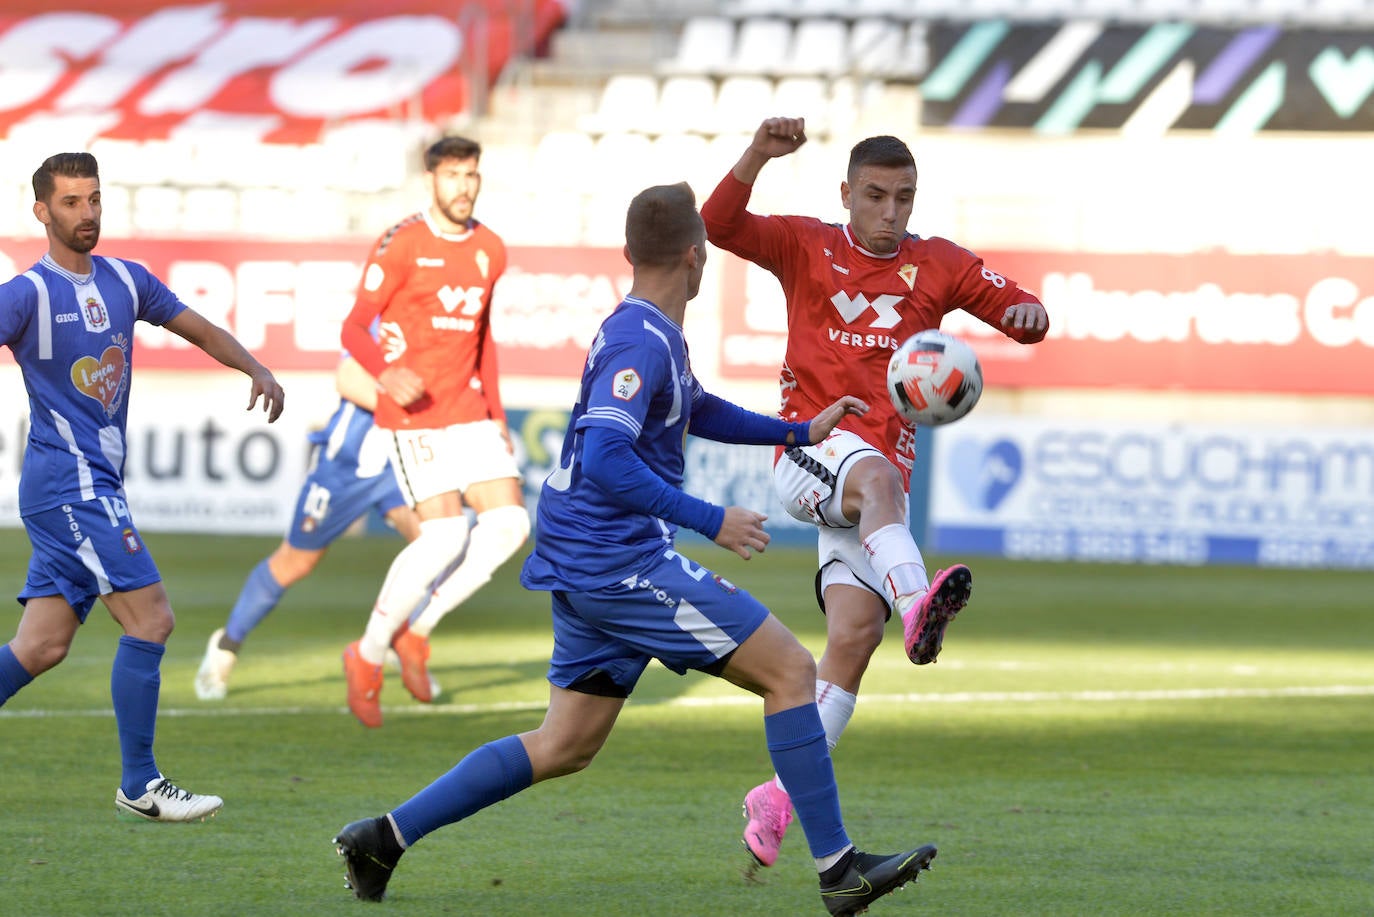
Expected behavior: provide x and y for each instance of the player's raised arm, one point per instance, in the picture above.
(225, 348)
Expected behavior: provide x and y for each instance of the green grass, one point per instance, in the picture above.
(1096, 740)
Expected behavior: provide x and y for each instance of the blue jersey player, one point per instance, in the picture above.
(623, 595)
(70, 322)
(350, 474)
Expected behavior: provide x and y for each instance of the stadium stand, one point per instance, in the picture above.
(681, 85)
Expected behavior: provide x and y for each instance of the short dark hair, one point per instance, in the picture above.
(662, 223)
(460, 148)
(69, 165)
(884, 151)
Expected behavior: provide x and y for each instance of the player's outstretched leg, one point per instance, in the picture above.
(212, 679)
(370, 851)
(924, 625)
(769, 811)
(859, 879)
(165, 801)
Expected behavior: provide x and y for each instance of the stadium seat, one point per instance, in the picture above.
(927, 10)
(875, 47)
(370, 156)
(623, 165)
(210, 211)
(990, 9)
(743, 9)
(1173, 10)
(805, 97)
(156, 209)
(804, 9)
(763, 46)
(626, 101)
(896, 9)
(705, 46)
(818, 48)
(743, 102)
(685, 156)
(561, 153)
(686, 103)
(914, 58)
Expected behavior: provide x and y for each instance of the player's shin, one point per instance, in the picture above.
(415, 567)
(797, 746)
(499, 533)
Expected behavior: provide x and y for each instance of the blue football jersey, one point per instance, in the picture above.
(637, 378)
(73, 337)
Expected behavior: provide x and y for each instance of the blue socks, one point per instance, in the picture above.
(135, 681)
(13, 676)
(796, 743)
(489, 774)
(260, 594)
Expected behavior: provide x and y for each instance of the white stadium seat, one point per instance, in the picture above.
(819, 47)
(686, 103)
(762, 47)
(625, 102)
(742, 103)
(706, 46)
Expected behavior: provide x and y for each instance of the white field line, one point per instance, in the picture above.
(957, 697)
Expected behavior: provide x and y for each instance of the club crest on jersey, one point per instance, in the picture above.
(94, 314)
(627, 384)
(908, 274)
(483, 262)
(131, 542)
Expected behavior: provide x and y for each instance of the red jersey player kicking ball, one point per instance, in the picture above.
(854, 292)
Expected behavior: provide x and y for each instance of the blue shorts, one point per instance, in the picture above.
(84, 550)
(674, 611)
(333, 497)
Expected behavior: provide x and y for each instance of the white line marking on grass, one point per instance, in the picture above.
(956, 697)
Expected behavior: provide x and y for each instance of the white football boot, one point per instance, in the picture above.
(165, 801)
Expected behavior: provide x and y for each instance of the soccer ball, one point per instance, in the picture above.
(934, 378)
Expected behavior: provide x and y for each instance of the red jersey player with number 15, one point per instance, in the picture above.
(428, 286)
(854, 293)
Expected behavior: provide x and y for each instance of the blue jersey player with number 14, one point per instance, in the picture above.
(70, 322)
(622, 594)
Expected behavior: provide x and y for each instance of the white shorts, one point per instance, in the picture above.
(439, 461)
(810, 483)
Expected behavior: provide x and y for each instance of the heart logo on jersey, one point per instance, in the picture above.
(101, 379)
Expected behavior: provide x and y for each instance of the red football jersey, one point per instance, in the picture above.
(431, 294)
(848, 308)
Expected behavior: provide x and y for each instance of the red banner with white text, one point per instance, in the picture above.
(1211, 322)
(286, 301)
(281, 71)
(1202, 322)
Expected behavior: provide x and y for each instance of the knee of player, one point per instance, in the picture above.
(877, 481)
(796, 669)
(857, 639)
(38, 657)
(560, 758)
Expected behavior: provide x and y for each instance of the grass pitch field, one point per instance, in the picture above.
(1096, 740)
